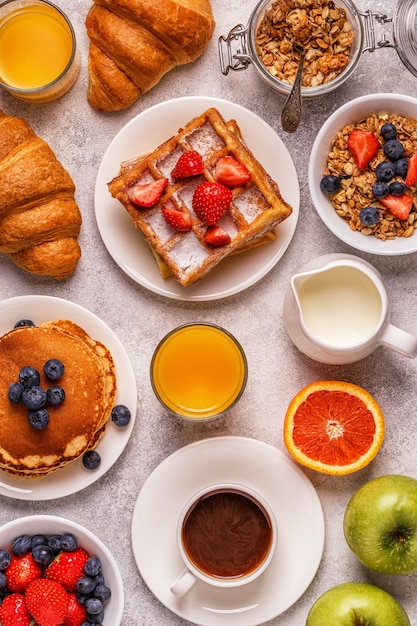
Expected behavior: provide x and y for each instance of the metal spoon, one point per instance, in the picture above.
(291, 112)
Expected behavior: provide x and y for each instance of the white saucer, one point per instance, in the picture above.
(126, 244)
(74, 477)
(250, 463)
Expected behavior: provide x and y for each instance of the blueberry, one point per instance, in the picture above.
(39, 418)
(120, 415)
(53, 369)
(369, 216)
(385, 171)
(38, 540)
(397, 189)
(55, 395)
(14, 392)
(102, 592)
(380, 189)
(5, 558)
(34, 397)
(388, 131)
(394, 149)
(43, 554)
(29, 376)
(3, 580)
(99, 579)
(22, 323)
(21, 545)
(401, 167)
(68, 542)
(330, 184)
(94, 606)
(54, 542)
(91, 459)
(85, 585)
(95, 619)
(92, 566)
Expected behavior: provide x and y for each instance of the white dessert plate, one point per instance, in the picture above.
(74, 477)
(126, 244)
(278, 480)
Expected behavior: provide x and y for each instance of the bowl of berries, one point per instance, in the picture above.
(363, 173)
(54, 572)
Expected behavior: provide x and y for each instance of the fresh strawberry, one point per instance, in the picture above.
(411, 178)
(77, 614)
(399, 206)
(210, 201)
(13, 611)
(148, 194)
(189, 164)
(178, 220)
(363, 146)
(67, 568)
(47, 602)
(231, 172)
(21, 571)
(215, 236)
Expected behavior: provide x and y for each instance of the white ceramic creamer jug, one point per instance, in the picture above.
(336, 311)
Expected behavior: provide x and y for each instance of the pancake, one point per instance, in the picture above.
(78, 423)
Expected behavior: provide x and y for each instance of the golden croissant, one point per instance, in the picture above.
(133, 43)
(39, 218)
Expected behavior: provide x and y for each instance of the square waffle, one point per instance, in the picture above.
(256, 208)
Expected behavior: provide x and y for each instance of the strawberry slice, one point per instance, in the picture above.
(178, 220)
(190, 163)
(363, 146)
(411, 178)
(399, 206)
(215, 236)
(231, 172)
(148, 194)
(210, 201)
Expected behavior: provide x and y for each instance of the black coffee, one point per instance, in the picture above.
(227, 534)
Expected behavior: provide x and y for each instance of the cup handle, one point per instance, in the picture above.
(399, 340)
(183, 583)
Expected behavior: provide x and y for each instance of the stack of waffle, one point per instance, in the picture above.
(76, 425)
(256, 208)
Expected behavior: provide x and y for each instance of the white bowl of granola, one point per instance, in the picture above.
(371, 208)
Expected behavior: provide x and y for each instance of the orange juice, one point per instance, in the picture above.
(37, 47)
(198, 371)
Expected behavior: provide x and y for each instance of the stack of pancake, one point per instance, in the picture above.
(76, 425)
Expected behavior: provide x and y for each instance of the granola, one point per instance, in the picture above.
(356, 185)
(319, 26)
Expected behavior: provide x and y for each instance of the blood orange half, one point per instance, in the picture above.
(333, 427)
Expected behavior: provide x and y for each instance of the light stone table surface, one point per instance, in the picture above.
(277, 370)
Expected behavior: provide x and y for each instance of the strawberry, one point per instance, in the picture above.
(399, 206)
(178, 220)
(77, 614)
(231, 172)
(189, 164)
(363, 146)
(21, 571)
(148, 194)
(411, 178)
(215, 236)
(47, 602)
(67, 568)
(13, 611)
(210, 201)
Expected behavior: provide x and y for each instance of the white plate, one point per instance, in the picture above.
(74, 477)
(349, 113)
(126, 244)
(281, 483)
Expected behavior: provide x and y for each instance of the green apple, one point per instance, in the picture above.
(356, 604)
(380, 524)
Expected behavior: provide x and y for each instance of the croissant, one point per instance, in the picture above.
(39, 218)
(133, 43)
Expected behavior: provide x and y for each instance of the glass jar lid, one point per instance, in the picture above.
(405, 33)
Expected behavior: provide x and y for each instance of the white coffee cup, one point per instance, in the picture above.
(208, 544)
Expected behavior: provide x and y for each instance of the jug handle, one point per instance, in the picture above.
(399, 340)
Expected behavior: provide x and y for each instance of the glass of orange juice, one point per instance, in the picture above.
(39, 61)
(198, 371)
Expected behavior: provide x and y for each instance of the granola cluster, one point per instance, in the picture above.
(319, 26)
(356, 185)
